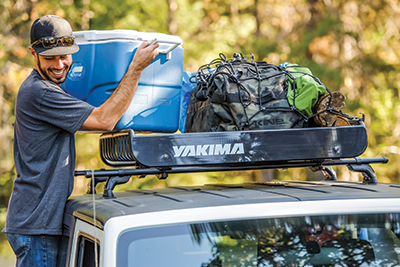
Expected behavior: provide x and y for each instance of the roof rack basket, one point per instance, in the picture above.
(161, 155)
(236, 148)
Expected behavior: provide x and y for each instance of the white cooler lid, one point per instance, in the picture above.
(82, 37)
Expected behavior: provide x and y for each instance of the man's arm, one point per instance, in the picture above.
(105, 117)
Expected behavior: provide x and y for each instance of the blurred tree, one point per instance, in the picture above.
(14, 24)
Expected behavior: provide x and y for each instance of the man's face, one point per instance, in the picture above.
(53, 68)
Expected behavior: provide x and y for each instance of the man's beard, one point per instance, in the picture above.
(57, 81)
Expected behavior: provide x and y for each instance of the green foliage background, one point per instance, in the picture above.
(352, 46)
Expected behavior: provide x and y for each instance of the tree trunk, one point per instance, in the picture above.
(172, 25)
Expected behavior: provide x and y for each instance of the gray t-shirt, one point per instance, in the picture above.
(46, 119)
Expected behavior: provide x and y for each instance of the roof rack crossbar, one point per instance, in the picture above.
(363, 166)
(190, 169)
(119, 176)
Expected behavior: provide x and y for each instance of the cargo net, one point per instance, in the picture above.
(306, 94)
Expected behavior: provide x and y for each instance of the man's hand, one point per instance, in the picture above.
(144, 55)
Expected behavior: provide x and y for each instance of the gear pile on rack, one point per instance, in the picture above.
(240, 94)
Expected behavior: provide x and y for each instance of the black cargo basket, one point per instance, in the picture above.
(236, 148)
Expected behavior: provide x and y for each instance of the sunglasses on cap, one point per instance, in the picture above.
(49, 42)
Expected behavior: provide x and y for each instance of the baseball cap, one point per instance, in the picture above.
(54, 28)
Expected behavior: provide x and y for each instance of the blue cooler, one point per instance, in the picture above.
(102, 61)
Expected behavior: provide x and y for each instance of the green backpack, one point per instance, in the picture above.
(240, 94)
(304, 89)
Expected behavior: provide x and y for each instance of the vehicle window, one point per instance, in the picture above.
(86, 253)
(335, 240)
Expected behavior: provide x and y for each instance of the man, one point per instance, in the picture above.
(46, 119)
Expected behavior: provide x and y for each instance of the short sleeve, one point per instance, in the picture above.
(63, 110)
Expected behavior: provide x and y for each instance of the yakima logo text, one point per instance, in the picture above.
(208, 150)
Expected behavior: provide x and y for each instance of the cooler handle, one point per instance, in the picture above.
(167, 51)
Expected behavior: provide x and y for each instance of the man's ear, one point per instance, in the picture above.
(33, 53)
(35, 56)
